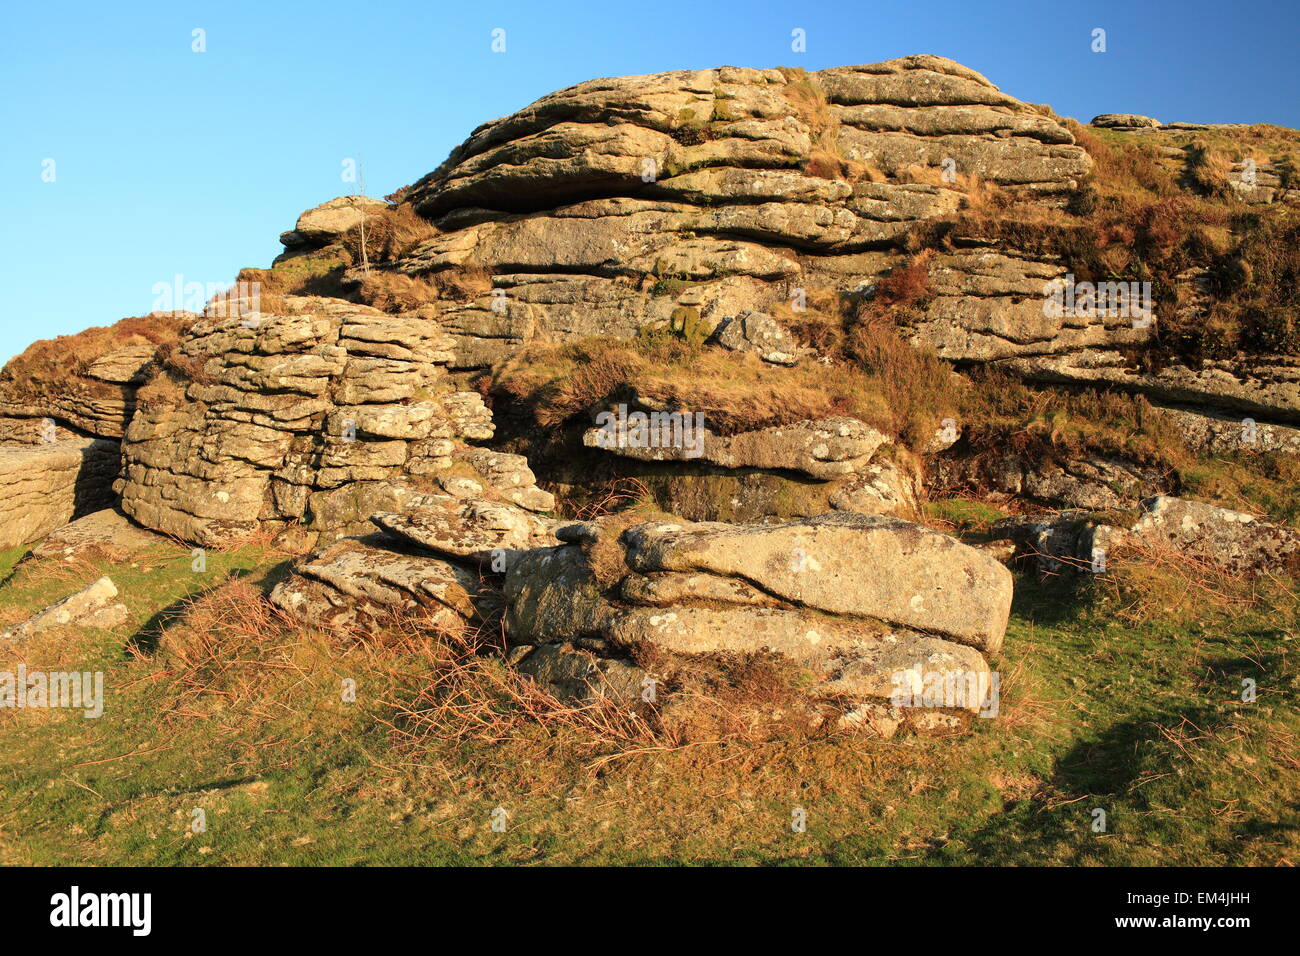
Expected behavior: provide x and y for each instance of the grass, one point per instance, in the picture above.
(826, 159)
(900, 390)
(1001, 414)
(395, 292)
(736, 391)
(1139, 716)
(319, 272)
(390, 233)
(965, 518)
(1245, 481)
(57, 367)
(1006, 414)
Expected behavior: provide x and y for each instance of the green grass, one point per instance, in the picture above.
(1140, 719)
(964, 517)
(1247, 482)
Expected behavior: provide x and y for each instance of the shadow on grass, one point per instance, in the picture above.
(10, 571)
(1108, 773)
(147, 638)
(1114, 771)
(1050, 601)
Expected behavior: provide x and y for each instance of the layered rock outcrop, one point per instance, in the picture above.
(873, 609)
(351, 583)
(819, 449)
(588, 206)
(797, 470)
(702, 209)
(1205, 430)
(710, 197)
(609, 207)
(705, 198)
(321, 416)
(1267, 387)
(85, 382)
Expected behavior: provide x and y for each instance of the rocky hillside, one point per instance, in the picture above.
(847, 298)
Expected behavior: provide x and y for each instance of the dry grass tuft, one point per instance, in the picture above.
(395, 292)
(606, 554)
(1209, 170)
(617, 494)
(57, 367)
(736, 698)
(467, 281)
(319, 272)
(164, 389)
(826, 158)
(917, 387)
(390, 233)
(232, 656)
(1145, 583)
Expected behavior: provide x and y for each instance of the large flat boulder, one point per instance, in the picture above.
(554, 603)
(846, 563)
(327, 222)
(106, 531)
(868, 608)
(826, 448)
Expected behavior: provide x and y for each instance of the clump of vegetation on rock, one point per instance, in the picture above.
(1141, 216)
(826, 159)
(389, 233)
(902, 391)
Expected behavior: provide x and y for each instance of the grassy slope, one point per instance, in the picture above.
(1142, 719)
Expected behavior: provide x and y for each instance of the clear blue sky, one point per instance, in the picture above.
(169, 161)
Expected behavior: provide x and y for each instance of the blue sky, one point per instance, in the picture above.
(168, 161)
